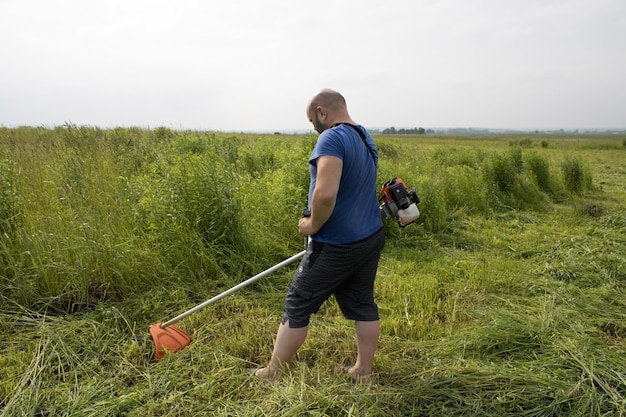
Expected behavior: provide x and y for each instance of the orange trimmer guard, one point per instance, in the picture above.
(170, 338)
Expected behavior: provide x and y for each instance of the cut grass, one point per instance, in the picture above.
(494, 313)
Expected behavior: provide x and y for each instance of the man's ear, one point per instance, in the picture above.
(321, 112)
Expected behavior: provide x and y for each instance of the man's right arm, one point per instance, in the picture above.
(324, 194)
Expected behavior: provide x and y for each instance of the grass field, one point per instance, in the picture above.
(506, 298)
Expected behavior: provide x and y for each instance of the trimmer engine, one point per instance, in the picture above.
(397, 201)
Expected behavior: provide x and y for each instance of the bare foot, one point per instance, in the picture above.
(267, 374)
(359, 376)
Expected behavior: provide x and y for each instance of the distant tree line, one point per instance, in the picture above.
(414, 131)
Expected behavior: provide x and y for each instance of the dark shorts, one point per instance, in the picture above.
(345, 271)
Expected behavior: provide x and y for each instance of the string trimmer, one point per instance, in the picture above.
(171, 338)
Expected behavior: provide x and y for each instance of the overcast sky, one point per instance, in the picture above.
(252, 65)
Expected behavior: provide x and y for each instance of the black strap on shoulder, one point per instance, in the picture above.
(362, 136)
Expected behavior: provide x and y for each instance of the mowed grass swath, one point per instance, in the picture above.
(505, 298)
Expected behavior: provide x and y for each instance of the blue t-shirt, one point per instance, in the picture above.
(356, 214)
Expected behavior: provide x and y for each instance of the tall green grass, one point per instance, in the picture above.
(505, 298)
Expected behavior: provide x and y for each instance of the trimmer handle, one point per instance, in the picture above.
(306, 213)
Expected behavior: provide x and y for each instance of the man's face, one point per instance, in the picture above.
(314, 118)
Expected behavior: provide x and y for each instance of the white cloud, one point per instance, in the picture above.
(246, 65)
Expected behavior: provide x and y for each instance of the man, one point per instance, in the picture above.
(346, 233)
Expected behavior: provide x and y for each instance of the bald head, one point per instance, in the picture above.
(327, 108)
(328, 98)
